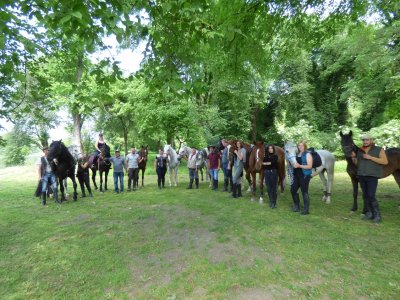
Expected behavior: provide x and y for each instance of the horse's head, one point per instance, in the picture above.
(347, 143)
(259, 154)
(291, 152)
(75, 152)
(55, 150)
(144, 152)
(183, 151)
(200, 157)
(105, 151)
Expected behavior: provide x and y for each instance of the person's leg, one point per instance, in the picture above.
(164, 171)
(196, 178)
(191, 178)
(54, 186)
(159, 175)
(121, 180)
(274, 187)
(372, 187)
(130, 178)
(363, 180)
(135, 178)
(115, 175)
(87, 183)
(294, 191)
(304, 183)
(268, 183)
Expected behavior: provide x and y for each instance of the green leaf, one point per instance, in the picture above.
(77, 14)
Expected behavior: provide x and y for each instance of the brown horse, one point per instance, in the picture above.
(392, 168)
(249, 150)
(142, 165)
(255, 166)
(103, 165)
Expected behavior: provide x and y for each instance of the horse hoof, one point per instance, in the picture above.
(328, 201)
(248, 190)
(261, 201)
(252, 199)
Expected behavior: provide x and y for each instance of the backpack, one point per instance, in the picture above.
(316, 159)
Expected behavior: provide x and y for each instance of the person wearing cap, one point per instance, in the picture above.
(119, 167)
(370, 160)
(214, 164)
(47, 176)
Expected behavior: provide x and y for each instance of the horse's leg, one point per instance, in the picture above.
(252, 186)
(354, 182)
(101, 180)
(106, 179)
(201, 172)
(94, 179)
(65, 182)
(261, 186)
(62, 190)
(248, 181)
(169, 176)
(176, 176)
(143, 176)
(324, 184)
(330, 182)
(75, 196)
(396, 175)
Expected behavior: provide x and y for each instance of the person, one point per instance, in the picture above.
(160, 165)
(119, 167)
(47, 176)
(192, 168)
(238, 163)
(133, 161)
(370, 160)
(214, 164)
(100, 142)
(224, 163)
(83, 175)
(301, 178)
(270, 163)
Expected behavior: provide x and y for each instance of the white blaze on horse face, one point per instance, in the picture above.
(257, 156)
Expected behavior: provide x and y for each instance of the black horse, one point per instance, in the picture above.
(393, 167)
(102, 165)
(63, 167)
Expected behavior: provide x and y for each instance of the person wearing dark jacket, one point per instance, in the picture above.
(370, 160)
(83, 175)
(271, 174)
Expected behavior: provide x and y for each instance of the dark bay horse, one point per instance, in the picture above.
(392, 168)
(142, 165)
(103, 165)
(255, 166)
(64, 166)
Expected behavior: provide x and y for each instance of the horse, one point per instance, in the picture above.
(255, 166)
(392, 168)
(103, 165)
(173, 164)
(328, 166)
(142, 165)
(64, 166)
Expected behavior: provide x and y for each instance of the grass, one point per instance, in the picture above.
(194, 244)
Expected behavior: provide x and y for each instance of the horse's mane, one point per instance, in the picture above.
(64, 156)
(106, 149)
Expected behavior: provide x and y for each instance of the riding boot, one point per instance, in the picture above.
(234, 191)
(190, 186)
(270, 199)
(197, 182)
(239, 190)
(274, 196)
(225, 189)
(306, 209)
(43, 198)
(375, 211)
(230, 184)
(212, 184)
(367, 210)
(216, 185)
(296, 203)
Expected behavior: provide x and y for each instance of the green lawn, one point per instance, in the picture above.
(194, 244)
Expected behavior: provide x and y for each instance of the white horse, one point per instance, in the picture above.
(173, 164)
(185, 151)
(328, 165)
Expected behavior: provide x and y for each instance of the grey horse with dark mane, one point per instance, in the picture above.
(328, 166)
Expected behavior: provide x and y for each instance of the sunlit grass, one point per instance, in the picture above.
(194, 244)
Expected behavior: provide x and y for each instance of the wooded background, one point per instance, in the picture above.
(250, 70)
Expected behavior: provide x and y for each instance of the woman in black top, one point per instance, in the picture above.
(160, 165)
(83, 175)
(271, 174)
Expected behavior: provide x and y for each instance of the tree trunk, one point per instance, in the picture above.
(254, 124)
(76, 133)
(76, 116)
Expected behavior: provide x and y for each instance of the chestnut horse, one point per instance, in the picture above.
(392, 168)
(252, 160)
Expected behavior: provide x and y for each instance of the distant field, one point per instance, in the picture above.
(194, 244)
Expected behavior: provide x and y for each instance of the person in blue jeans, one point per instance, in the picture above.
(271, 174)
(301, 178)
(47, 176)
(119, 167)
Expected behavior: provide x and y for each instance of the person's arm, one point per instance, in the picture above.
(96, 145)
(239, 154)
(308, 166)
(382, 159)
